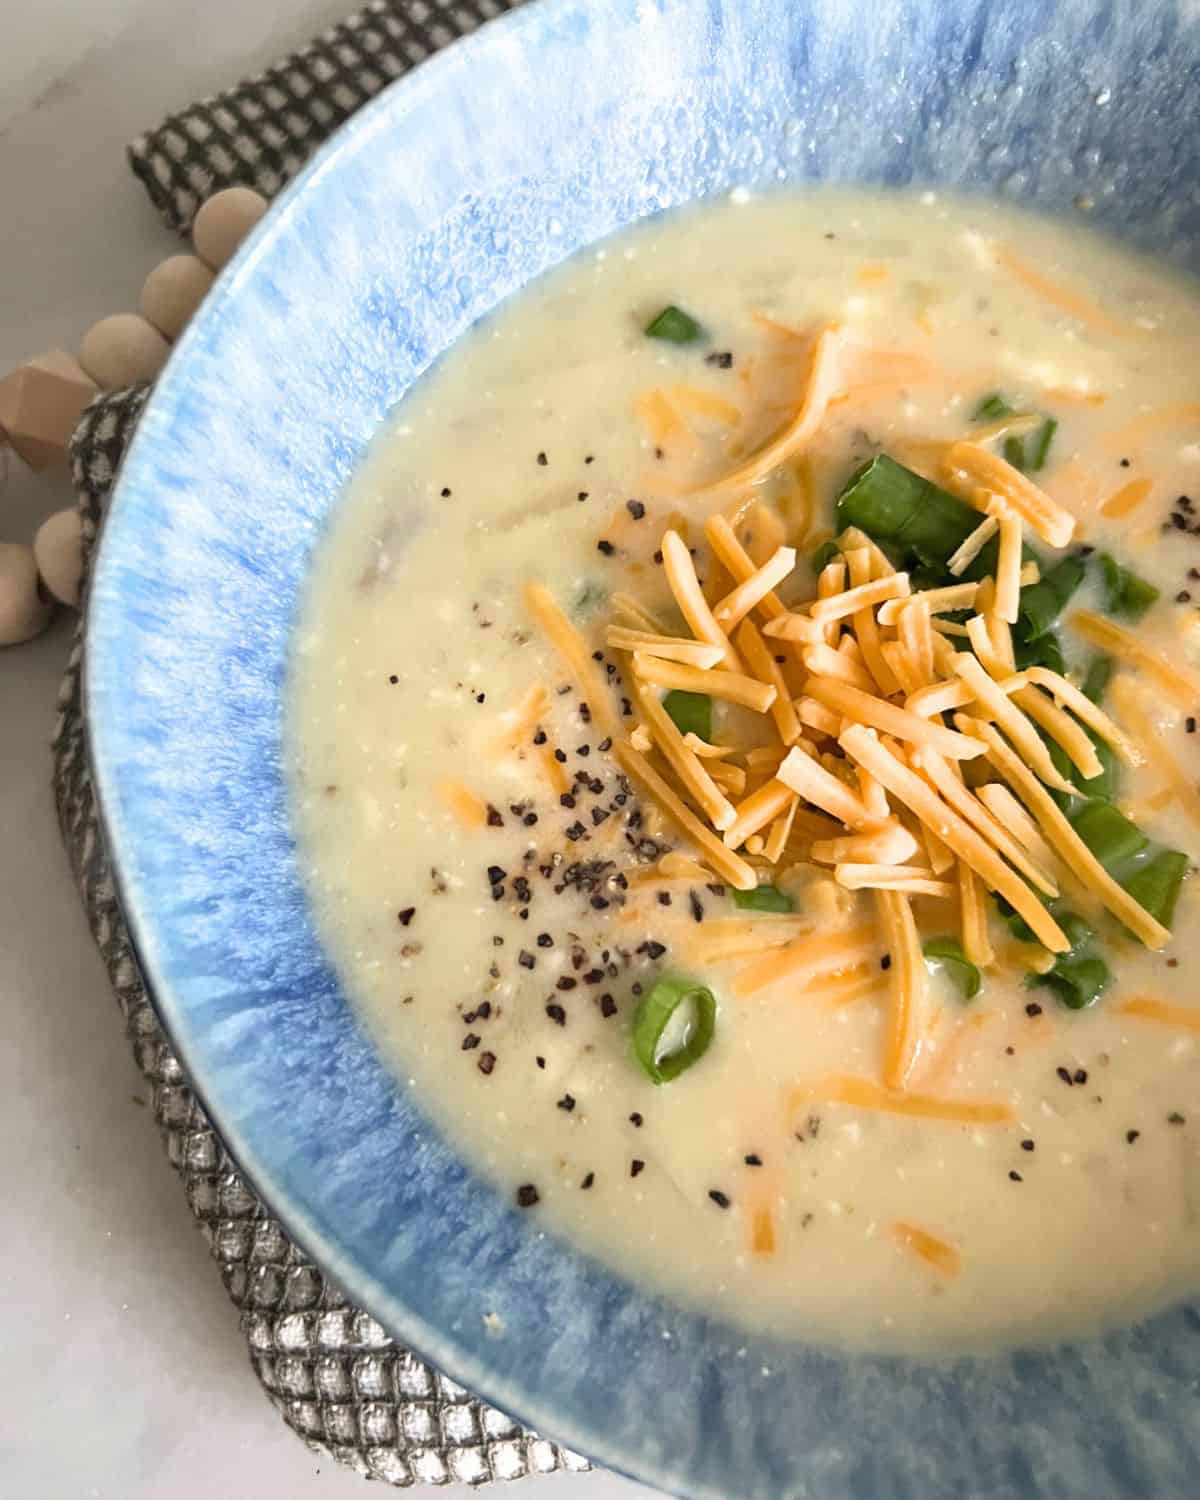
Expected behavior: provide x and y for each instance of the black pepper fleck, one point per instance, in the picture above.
(608, 1006)
(635, 508)
(696, 907)
(1033, 1009)
(567, 1103)
(753, 1159)
(605, 546)
(587, 1181)
(718, 1197)
(566, 983)
(1027, 1145)
(1015, 1177)
(487, 1062)
(405, 917)
(1080, 1076)
(635, 1120)
(471, 1041)
(557, 1014)
(526, 959)
(636, 1166)
(1132, 1135)
(493, 817)
(1175, 1118)
(527, 1195)
(720, 359)
(1065, 1075)
(544, 940)
(542, 460)
(885, 962)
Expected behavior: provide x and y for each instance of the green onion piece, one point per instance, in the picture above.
(897, 507)
(1101, 788)
(1099, 675)
(1037, 447)
(1044, 601)
(1014, 452)
(949, 951)
(1046, 651)
(823, 556)
(764, 898)
(1107, 832)
(653, 1016)
(1125, 593)
(589, 596)
(676, 326)
(1155, 885)
(1077, 982)
(991, 407)
(1064, 765)
(691, 713)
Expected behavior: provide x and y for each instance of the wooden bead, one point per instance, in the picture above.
(24, 609)
(58, 552)
(40, 404)
(122, 350)
(173, 291)
(224, 222)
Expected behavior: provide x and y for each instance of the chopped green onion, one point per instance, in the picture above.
(1044, 601)
(992, 407)
(1099, 675)
(1077, 982)
(1107, 832)
(1037, 447)
(676, 326)
(591, 594)
(764, 898)
(1065, 767)
(1155, 884)
(895, 506)
(1014, 452)
(823, 556)
(1103, 787)
(949, 952)
(1078, 977)
(1125, 593)
(654, 1014)
(1046, 651)
(691, 713)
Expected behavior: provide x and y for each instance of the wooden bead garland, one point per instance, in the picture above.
(224, 222)
(24, 608)
(42, 400)
(58, 552)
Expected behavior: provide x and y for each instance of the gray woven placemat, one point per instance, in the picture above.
(332, 1371)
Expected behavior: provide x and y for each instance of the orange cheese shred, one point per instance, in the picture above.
(470, 810)
(942, 1256)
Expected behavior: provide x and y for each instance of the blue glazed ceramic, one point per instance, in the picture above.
(551, 128)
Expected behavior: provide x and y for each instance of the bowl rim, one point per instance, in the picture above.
(406, 1322)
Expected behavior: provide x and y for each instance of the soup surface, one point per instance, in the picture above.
(864, 1153)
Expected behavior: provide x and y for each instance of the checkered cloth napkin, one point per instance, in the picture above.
(334, 1374)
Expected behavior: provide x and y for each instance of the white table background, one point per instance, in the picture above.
(122, 1371)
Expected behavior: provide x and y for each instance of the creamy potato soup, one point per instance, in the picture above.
(743, 723)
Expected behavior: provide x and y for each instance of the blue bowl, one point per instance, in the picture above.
(551, 128)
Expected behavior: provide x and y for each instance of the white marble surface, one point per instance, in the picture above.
(122, 1372)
